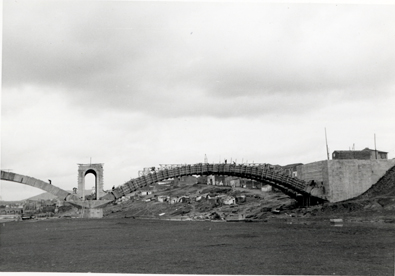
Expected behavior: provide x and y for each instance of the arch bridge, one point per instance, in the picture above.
(264, 173)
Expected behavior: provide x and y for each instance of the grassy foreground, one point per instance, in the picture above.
(189, 247)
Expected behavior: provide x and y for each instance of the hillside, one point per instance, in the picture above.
(4, 202)
(257, 205)
(377, 204)
(49, 196)
(43, 196)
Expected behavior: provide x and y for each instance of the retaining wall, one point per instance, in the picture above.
(345, 179)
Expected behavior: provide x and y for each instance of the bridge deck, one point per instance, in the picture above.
(266, 173)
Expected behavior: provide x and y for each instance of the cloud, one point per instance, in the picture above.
(150, 57)
(136, 84)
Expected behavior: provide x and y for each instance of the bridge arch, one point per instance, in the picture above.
(266, 173)
(31, 181)
(97, 171)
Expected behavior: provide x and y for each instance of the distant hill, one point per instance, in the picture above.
(5, 202)
(43, 196)
(49, 196)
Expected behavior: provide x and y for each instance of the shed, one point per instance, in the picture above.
(228, 200)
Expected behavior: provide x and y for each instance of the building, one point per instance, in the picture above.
(291, 169)
(162, 198)
(364, 154)
(145, 192)
(11, 210)
(266, 188)
(228, 200)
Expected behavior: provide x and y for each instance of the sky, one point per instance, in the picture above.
(137, 84)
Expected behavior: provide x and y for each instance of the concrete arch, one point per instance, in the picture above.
(97, 171)
(30, 181)
(266, 173)
(60, 193)
(90, 171)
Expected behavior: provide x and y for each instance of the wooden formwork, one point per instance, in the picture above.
(221, 168)
(254, 170)
(166, 174)
(154, 177)
(194, 169)
(149, 178)
(126, 188)
(243, 169)
(116, 193)
(160, 175)
(140, 181)
(171, 173)
(205, 168)
(177, 171)
(199, 168)
(130, 186)
(215, 168)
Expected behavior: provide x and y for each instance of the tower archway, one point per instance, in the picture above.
(97, 171)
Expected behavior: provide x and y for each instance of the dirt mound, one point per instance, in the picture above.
(384, 187)
(378, 201)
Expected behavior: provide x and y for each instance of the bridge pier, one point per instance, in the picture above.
(304, 200)
(97, 171)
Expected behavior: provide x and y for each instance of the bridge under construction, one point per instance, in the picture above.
(264, 173)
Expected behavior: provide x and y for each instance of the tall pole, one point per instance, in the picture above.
(375, 149)
(326, 142)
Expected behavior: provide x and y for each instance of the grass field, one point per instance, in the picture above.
(157, 246)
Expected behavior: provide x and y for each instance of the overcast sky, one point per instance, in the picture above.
(138, 84)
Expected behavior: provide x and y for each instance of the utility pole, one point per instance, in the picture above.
(327, 149)
(375, 149)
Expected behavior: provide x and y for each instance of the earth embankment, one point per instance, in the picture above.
(377, 204)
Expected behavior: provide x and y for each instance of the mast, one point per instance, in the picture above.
(327, 149)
